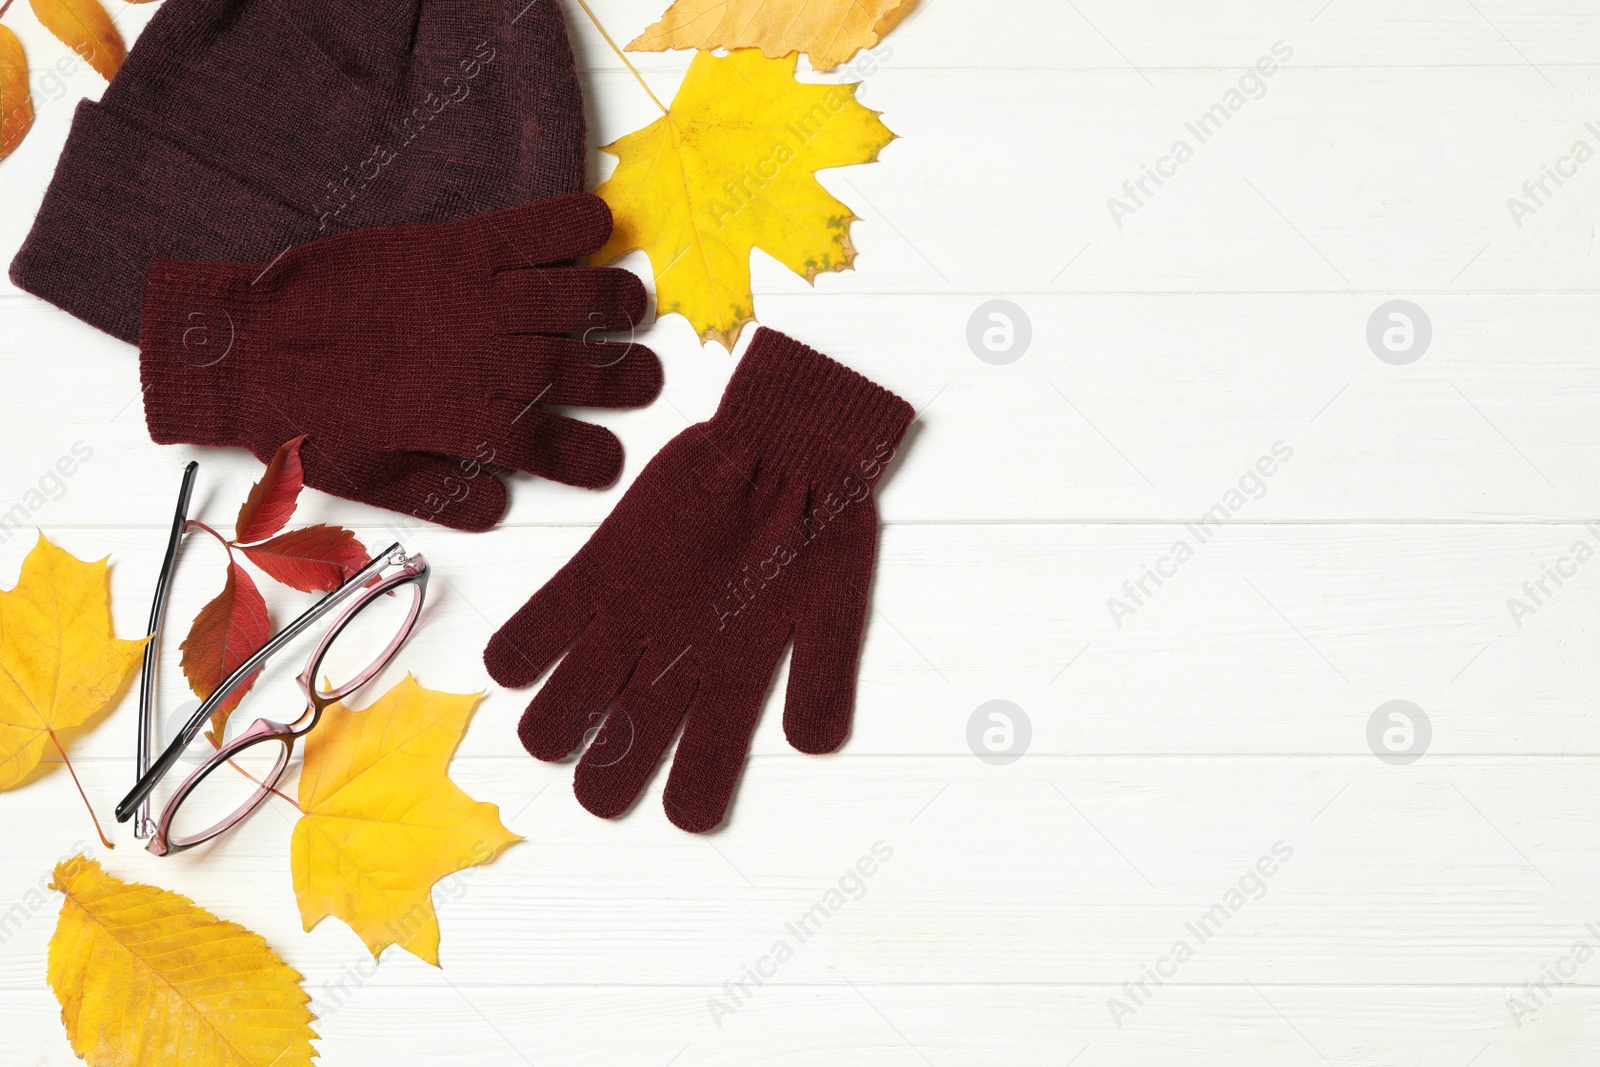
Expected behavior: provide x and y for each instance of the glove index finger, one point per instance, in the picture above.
(577, 300)
(550, 231)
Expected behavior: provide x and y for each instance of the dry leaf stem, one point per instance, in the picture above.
(57, 742)
(631, 69)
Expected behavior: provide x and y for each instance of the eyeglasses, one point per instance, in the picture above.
(221, 792)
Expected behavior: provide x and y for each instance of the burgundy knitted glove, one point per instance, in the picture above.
(744, 531)
(411, 357)
(239, 127)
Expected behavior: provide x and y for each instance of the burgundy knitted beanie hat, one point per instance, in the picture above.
(239, 128)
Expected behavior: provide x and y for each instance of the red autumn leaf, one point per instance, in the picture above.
(315, 559)
(272, 499)
(228, 631)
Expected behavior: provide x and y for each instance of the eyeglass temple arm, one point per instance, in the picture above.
(140, 793)
(143, 826)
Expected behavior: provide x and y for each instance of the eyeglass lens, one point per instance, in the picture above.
(366, 638)
(228, 791)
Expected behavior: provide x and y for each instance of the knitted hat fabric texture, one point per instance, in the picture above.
(237, 129)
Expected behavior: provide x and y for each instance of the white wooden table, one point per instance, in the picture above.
(1173, 742)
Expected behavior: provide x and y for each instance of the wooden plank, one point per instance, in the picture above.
(1357, 206)
(1125, 407)
(910, 1026)
(1281, 639)
(1446, 872)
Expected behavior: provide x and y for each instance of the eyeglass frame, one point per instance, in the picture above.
(368, 582)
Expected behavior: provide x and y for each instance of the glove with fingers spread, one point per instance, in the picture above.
(412, 358)
(745, 531)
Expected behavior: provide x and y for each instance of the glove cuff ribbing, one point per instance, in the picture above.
(796, 408)
(192, 341)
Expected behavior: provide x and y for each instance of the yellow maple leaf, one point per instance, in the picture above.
(147, 979)
(60, 663)
(383, 822)
(830, 31)
(728, 169)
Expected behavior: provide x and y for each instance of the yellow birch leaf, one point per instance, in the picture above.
(84, 27)
(830, 31)
(147, 979)
(60, 664)
(383, 821)
(730, 168)
(16, 103)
